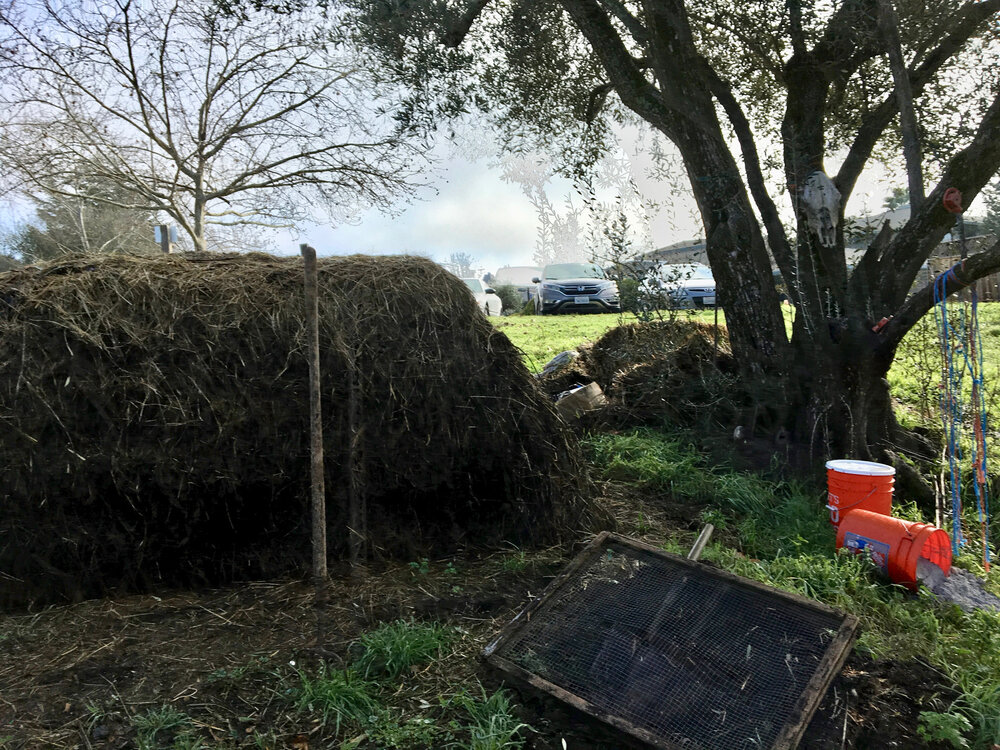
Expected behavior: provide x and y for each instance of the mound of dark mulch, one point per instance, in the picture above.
(154, 421)
(678, 370)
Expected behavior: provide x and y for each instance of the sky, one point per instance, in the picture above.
(468, 207)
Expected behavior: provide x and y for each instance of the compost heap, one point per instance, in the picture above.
(154, 421)
(680, 369)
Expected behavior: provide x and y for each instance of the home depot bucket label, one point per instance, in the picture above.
(876, 550)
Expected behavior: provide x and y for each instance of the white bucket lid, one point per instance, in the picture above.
(866, 468)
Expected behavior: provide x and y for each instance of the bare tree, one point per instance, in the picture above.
(210, 118)
(462, 264)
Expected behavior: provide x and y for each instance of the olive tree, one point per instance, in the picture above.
(776, 109)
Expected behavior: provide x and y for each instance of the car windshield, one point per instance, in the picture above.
(574, 271)
(475, 285)
(683, 271)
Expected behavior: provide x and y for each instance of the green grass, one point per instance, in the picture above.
(490, 722)
(336, 695)
(778, 533)
(165, 727)
(541, 337)
(397, 647)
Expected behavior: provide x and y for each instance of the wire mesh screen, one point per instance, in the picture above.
(687, 655)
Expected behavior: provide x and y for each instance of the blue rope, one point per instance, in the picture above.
(951, 414)
(979, 463)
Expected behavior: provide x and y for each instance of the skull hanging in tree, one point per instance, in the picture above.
(821, 203)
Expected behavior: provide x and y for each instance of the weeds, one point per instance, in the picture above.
(944, 727)
(516, 563)
(397, 647)
(165, 727)
(490, 722)
(336, 694)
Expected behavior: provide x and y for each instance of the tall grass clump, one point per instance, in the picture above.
(337, 695)
(396, 647)
(490, 722)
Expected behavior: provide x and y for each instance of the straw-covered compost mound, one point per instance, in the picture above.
(679, 369)
(154, 420)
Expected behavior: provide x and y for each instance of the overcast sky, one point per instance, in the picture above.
(470, 208)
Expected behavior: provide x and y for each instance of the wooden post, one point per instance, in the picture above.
(356, 521)
(164, 237)
(701, 542)
(315, 419)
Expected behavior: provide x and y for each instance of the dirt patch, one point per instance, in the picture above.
(76, 676)
(878, 704)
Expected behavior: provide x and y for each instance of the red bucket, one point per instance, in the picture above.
(858, 485)
(895, 545)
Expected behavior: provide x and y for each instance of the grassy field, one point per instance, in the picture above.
(914, 377)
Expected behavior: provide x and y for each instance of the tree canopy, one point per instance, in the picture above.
(776, 109)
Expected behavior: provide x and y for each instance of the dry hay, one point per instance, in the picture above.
(680, 369)
(154, 420)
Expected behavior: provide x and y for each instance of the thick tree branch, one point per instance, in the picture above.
(777, 239)
(968, 171)
(795, 30)
(919, 303)
(624, 72)
(966, 22)
(454, 36)
(629, 21)
(889, 28)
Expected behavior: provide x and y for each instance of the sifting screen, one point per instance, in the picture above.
(685, 654)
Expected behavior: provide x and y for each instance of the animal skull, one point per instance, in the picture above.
(821, 202)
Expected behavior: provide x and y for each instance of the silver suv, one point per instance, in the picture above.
(575, 287)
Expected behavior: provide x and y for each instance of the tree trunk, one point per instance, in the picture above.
(200, 209)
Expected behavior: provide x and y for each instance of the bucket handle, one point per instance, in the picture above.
(835, 509)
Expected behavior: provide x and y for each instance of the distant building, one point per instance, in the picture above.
(687, 251)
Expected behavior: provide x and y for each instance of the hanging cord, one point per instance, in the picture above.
(969, 344)
(974, 366)
(951, 388)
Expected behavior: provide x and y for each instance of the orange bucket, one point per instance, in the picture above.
(895, 545)
(858, 485)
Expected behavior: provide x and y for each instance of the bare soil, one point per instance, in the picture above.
(74, 676)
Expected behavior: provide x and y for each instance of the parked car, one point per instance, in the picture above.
(679, 285)
(486, 296)
(575, 287)
(520, 277)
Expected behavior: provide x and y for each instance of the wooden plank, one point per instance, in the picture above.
(508, 635)
(828, 668)
(540, 683)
